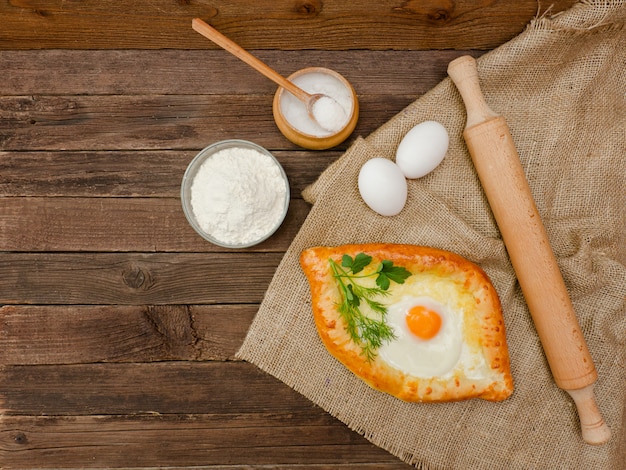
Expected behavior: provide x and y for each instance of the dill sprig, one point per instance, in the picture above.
(369, 333)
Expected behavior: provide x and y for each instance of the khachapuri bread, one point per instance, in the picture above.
(419, 323)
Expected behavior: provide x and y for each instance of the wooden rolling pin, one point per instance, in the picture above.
(500, 172)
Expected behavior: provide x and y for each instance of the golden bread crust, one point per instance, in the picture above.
(484, 325)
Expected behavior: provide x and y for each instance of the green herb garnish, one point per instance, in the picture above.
(369, 333)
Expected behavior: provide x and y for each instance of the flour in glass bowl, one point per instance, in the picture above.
(238, 195)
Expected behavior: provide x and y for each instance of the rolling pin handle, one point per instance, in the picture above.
(464, 74)
(594, 430)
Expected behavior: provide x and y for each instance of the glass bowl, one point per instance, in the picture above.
(235, 194)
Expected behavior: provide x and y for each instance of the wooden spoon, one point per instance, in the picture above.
(323, 109)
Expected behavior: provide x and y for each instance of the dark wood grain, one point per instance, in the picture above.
(39, 335)
(302, 24)
(135, 278)
(209, 72)
(116, 224)
(123, 173)
(229, 440)
(156, 387)
(150, 122)
(172, 398)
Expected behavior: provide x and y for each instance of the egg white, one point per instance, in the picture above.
(420, 357)
(455, 350)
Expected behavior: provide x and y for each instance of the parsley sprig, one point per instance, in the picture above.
(369, 333)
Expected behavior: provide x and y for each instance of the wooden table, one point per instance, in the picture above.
(118, 324)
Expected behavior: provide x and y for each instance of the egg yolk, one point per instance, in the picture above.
(423, 322)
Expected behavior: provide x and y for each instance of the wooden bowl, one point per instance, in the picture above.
(306, 139)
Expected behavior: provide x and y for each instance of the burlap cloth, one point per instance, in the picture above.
(561, 85)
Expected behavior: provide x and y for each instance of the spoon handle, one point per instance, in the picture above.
(218, 38)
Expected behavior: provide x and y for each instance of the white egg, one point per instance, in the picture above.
(382, 186)
(423, 357)
(422, 149)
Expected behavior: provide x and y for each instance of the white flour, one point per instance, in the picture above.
(238, 195)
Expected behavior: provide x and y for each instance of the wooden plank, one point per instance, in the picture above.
(150, 122)
(145, 388)
(123, 173)
(117, 224)
(35, 335)
(305, 24)
(234, 441)
(135, 278)
(128, 72)
(130, 122)
(93, 174)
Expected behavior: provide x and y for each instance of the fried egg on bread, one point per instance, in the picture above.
(448, 339)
